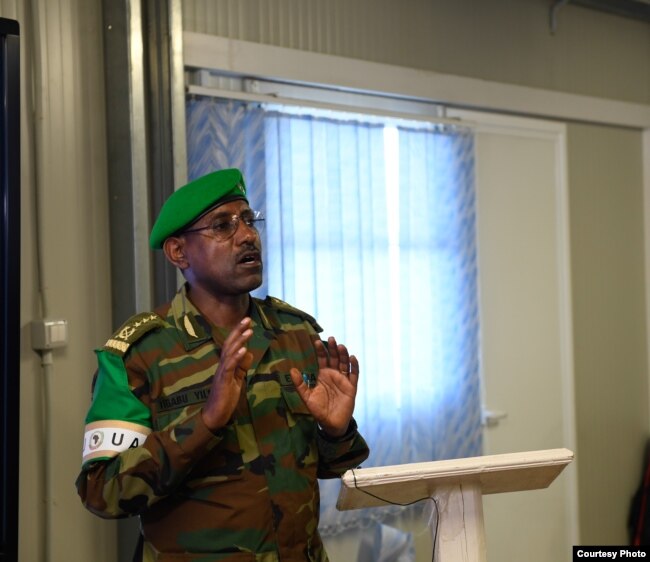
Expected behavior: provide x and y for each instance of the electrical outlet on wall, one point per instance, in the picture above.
(49, 334)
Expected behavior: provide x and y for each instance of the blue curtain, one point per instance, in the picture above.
(370, 228)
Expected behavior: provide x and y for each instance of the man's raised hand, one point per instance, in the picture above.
(331, 400)
(229, 378)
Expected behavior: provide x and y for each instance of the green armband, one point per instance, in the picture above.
(117, 420)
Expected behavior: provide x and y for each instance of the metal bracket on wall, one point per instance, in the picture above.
(555, 8)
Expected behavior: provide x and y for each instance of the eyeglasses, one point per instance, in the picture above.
(224, 227)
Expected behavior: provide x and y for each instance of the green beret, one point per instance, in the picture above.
(189, 202)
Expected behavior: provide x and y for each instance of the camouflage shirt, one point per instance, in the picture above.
(248, 492)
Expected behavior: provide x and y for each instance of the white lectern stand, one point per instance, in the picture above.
(457, 486)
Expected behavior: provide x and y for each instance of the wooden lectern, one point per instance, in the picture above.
(457, 486)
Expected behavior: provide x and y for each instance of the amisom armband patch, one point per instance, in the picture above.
(107, 438)
(116, 420)
(131, 331)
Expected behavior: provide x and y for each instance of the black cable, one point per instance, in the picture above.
(435, 503)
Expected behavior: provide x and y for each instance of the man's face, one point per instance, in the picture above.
(223, 267)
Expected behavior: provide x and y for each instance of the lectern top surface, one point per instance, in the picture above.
(405, 483)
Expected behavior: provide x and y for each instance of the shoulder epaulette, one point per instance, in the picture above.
(286, 307)
(131, 331)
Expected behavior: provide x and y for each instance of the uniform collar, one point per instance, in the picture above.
(193, 328)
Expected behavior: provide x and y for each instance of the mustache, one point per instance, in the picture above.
(248, 249)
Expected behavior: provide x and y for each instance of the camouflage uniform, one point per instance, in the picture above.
(248, 492)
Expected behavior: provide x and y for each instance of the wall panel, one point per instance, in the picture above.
(606, 201)
(64, 204)
(591, 53)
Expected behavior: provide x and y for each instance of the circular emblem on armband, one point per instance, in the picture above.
(95, 440)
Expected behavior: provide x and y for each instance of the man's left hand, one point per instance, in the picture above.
(331, 400)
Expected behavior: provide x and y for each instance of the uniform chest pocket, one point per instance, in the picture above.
(224, 463)
(221, 464)
(294, 403)
(302, 427)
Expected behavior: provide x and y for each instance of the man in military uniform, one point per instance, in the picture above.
(213, 416)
